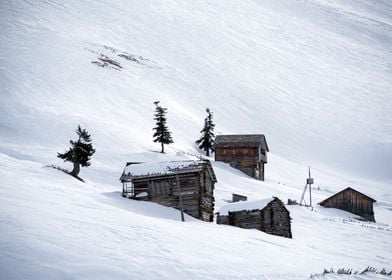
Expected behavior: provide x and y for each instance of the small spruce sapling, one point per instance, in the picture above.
(80, 151)
(207, 139)
(161, 132)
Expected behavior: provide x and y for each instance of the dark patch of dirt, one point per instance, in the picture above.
(107, 58)
(106, 62)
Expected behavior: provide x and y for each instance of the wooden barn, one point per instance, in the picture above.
(247, 153)
(168, 183)
(352, 201)
(268, 215)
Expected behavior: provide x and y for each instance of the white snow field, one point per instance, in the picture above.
(55, 227)
(314, 76)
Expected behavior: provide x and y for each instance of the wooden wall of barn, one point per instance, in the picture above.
(353, 202)
(196, 190)
(206, 197)
(275, 219)
(245, 219)
(244, 158)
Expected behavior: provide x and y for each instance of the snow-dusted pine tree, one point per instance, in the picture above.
(80, 151)
(162, 134)
(207, 139)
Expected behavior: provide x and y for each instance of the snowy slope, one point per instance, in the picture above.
(55, 227)
(314, 76)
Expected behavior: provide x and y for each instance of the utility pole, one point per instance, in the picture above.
(180, 198)
(303, 196)
(310, 182)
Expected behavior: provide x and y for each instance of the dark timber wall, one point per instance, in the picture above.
(352, 201)
(246, 152)
(243, 158)
(196, 189)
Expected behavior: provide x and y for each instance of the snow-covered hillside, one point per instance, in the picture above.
(55, 227)
(313, 76)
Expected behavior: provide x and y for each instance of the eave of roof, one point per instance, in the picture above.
(346, 189)
(242, 140)
(187, 168)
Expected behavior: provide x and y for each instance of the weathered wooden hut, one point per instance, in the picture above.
(247, 153)
(268, 215)
(164, 182)
(352, 201)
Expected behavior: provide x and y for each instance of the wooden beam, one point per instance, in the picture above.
(180, 198)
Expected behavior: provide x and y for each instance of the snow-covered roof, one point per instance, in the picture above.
(160, 168)
(244, 205)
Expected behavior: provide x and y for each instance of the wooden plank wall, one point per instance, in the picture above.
(353, 202)
(245, 219)
(276, 219)
(244, 159)
(196, 190)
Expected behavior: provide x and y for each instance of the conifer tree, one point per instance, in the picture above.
(162, 134)
(80, 151)
(207, 139)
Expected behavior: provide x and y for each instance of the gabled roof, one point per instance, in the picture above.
(245, 205)
(346, 189)
(242, 140)
(138, 170)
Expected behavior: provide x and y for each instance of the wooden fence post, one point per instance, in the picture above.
(180, 198)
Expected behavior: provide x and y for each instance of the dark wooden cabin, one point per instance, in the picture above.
(268, 215)
(157, 182)
(352, 201)
(247, 153)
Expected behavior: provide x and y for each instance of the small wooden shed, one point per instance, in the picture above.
(352, 201)
(247, 153)
(157, 182)
(268, 215)
(238, 197)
